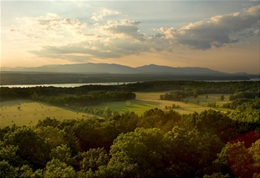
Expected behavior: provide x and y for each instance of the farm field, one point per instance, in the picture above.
(26, 112)
(148, 100)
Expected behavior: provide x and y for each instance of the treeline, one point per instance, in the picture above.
(92, 98)
(247, 114)
(245, 94)
(177, 95)
(237, 90)
(155, 144)
(27, 93)
(239, 98)
(200, 87)
(14, 78)
(185, 88)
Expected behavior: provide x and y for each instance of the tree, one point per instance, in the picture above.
(53, 136)
(107, 112)
(137, 154)
(57, 168)
(195, 94)
(48, 122)
(238, 160)
(198, 101)
(92, 159)
(62, 153)
(255, 152)
(217, 175)
(192, 152)
(31, 147)
(35, 96)
(27, 172)
(6, 170)
(8, 153)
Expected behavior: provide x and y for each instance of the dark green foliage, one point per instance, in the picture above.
(26, 171)
(31, 147)
(175, 96)
(212, 104)
(63, 153)
(57, 168)
(245, 94)
(238, 160)
(6, 170)
(138, 154)
(150, 153)
(234, 104)
(156, 144)
(156, 118)
(9, 153)
(163, 144)
(48, 122)
(247, 115)
(183, 89)
(236, 89)
(92, 159)
(215, 122)
(93, 98)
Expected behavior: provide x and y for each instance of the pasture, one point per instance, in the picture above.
(148, 100)
(25, 112)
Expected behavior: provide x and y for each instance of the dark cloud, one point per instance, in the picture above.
(131, 31)
(216, 31)
(121, 38)
(125, 27)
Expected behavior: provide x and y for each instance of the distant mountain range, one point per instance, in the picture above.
(93, 68)
(98, 73)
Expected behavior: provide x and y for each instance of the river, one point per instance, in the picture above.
(69, 85)
(66, 85)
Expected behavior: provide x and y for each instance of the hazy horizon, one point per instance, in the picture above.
(222, 36)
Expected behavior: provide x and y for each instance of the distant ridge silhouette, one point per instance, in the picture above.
(117, 69)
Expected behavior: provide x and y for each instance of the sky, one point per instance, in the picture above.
(220, 35)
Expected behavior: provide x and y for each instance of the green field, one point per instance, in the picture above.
(148, 100)
(24, 112)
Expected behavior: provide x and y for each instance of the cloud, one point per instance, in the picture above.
(216, 31)
(104, 12)
(124, 29)
(255, 10)
(73, 40)
(83, 51)
(116, 39)
(50, 27)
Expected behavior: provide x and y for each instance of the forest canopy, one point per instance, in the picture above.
(158, 143)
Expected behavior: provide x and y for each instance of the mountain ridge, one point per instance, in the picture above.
(95, 68)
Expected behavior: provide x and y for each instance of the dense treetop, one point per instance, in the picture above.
(155, 144)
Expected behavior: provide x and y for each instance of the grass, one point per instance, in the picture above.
(138, 106)
(203, 100)
(24, 112)
(149, 100)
